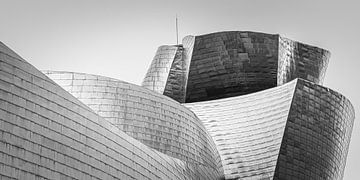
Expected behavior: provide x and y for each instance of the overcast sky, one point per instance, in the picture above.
(118, 39)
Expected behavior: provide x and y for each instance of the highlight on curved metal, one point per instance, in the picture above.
(273, 133)
(47, 133)
(260, 97)
(248, 129)
(154, 119)
(253, 107)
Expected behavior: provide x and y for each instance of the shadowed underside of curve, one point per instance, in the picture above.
(227, 64)
(47, 133)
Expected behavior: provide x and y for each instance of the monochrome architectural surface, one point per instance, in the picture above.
(226, 105)
(317, 134)
(299, 130)
(227, 64)
(260, 97)
(248, 130)
(47, 133)
(155, 120)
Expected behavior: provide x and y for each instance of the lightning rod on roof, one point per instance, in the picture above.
(177, 32)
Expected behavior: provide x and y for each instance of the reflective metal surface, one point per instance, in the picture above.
(46, 133)
(154, 119)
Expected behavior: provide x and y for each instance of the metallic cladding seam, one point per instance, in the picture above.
(298, 60)
(188, 44)
(156, 76)
(176, 79)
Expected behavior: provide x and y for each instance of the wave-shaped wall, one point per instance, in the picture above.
(299, 130)
(248, 130)
(253, 104)
(154, 119)
(317, 134)
(47, 133)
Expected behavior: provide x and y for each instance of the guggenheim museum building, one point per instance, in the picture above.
(226, 105)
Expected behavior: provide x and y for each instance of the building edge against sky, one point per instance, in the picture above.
(266, 118)
(232, 63)
(47, 133)
(299, 130)
(277, 127)
(221, 67)
(235, 123)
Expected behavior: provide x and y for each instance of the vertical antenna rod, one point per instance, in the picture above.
(177, 33)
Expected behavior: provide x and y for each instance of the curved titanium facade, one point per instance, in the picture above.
(228, 64)
(248, 130)
(317, 134)
(252, 104)
(154, 119)
(158, 73)
(312, 126)
(47, 133)
(298, 60)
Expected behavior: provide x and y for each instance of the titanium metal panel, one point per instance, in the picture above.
(298, 60)
(157, 75)
(46, 133)
(248, 130)
(317, 134)
(257, 95)
(227, 64)
(154, 119)
(299, 130)
(233, 63)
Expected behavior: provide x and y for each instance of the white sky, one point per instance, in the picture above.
(118, 38)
